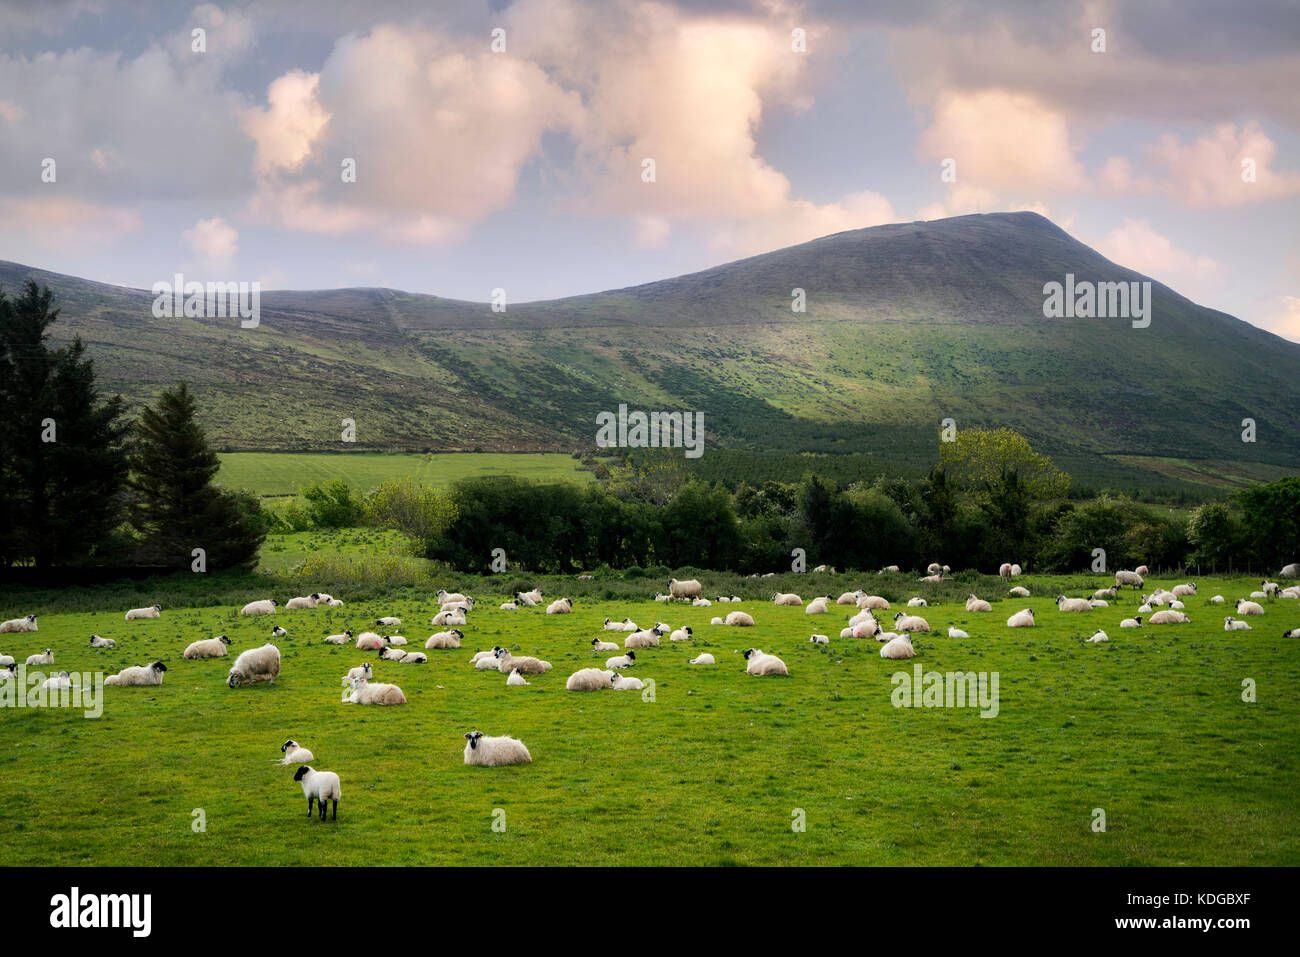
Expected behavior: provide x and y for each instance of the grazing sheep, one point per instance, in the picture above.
(294, 753)
(682, 634)
(758, 663)
(917, 603)
(818, 606)
(1185, 590)
(589, 679)
(598, 645)
(561, 606)
(1019, 592)
(819, 640)
(363, 692)
(703, 659)
(850, 597)
(975, 604)
(782, 598)
(1168, 617)
(1232, 624)
(254, 665)
(19, 625)
(302, 602)
(319, 787)
(621, 661)
(1123, 578)
(956, 633)
(685, 589)
(369, 641)
(1015, 570)
(906, 622)
(1004, 570)
(365, 670)
(739, 619)
(153, 611)
(626, 683)
(900, 647)
(342, 639)
(873, 602)
(98, 642)
(264, 607)
(46, 657)
(208, 648)
(1290, 571)
(138, 675)
(1248, 607)
(528, 666)
(445, 618)
(1073, 604)
(389, 621)
(1022, 619)
(445, 639)
(494, 752)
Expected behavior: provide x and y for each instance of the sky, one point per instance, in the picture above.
(506, 145)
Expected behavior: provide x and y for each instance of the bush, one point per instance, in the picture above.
(419, 512)
(333, 505)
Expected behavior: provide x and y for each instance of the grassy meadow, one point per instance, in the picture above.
(1151, 727)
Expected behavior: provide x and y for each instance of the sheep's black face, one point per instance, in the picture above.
(224, 640)
(157, 607)
(301, 772)
(631, 656)
(159, 666)
(286, 746)
(473, 737)
(747, 652)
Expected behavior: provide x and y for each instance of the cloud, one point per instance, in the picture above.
(1137, 246)
(1286, 320)
(1209, 171)
(214, 241)
(285, 131)
(59, 224)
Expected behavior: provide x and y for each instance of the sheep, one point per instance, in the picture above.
(509, 606)
(1269, 588)
(589, 679)
(1099, 637)
(900, 647)
(319, 787)
(1177, 605)
(629, 625)
(887, 636)
(1157, 598)
(626, 683)
(819, 640)
(464, 607)
(931, 579)
(621, 661)
(1248, 607)
(486, 660)
(1186, 589)
(598, 645)
(739, 619)
(1123, 578)
(363, 692)
(445, 596)
(613, 625)
(1292, 591)
(818, 606)
(1217, 600)
(302, 602)
(1019, 592)
(700, 602)
(57, 682)
(264, 607)
(889, 568)
(873, 602)
(1015, 570)
(365, 670)
(391, 654)
(46, 657)
(850, 597)
(389, 621)
(1131, 622)
(515, 679)
(956, 633)
(1232, 624)
(153, 611)
(98, 642)
(685, 589)
(1106, 593)
(8, 671)
(975, 604)
(6, 661)
(1141, 570)
(682, 634)
(19, 625)
(716, 621)
(1290, 571)
(1022, 619)
(783, 598)
(369, 641)
(860, 617)
(561, 606)
(494, 752)
(526, 665)
(1258, 594)
(906, 622)
(138, 675)
(445, 618)
(529, 598)
(1144, 608)
(1166, 617)
(702, 659)
(1098, 603)
(934, 568)
(335, 603)
(404, 657)
(917, 602)
(758, 663)
(1004, 570)
(645, 639)
(865, 629)
(208, 648)
(660, 596)
(254, 665)
(323, 598)
(278, 632)
(1293, 633)
(1072, 604)
(294, 753)
(342, 639)
(445, 639)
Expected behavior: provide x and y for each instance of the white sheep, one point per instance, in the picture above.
(46, 657)
(529, 598)
(1123, 578)
(1270, 589)
(494, 752)
(648, 638)
(682, 634)
(1099, 637)
(819, 640)
(685, 589)
(1185, 590)
(975, 604)
(613, 625)
(1292, 591)
(598, 645)
(1141, 570)
(917, 602)
(266, 606)
(1293, 633)
(1098, 603)
(1004, 570)
(906, 622)
(703, 659)
(1073, 604)
(621, 661)
(1168, 617)
(900, 647)
(758, 663)
(515, 678)
(302, 602)
(445, 596)
(715, 620)
(1019, 592)
(865, 629)
(98, 642)
(363, 692)
(934, 568)
(319, 787)
(589, 679)
(739, 619)
(342, 639)
(956, 633)
(1217, 600)
(445, 618)
(889, 568)
(57, 682)
(873, 602)
(6, 661)
(1022, 619)
(254, 665)
(850, 597)
(818, 606)
(1232, 624)
(1290, 571)
(509, 606)
(365, 670)
(528, 666)
(19, 625)
(208, 648)
(626, 683)
(1015, 570)
(294, 753)
(1177, 605)
(369, 641)
(701, 602)
(278, 632)
(405, 657)
(1131, 622)
(486, 660)
(1248, 607)
(561, 606)
(153, 611)
(1106, 593)
(389, 621)
(445, 639)
(138, 675)
(785, 598)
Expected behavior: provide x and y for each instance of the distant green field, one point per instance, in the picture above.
(282, 473)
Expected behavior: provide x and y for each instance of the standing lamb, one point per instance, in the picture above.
(319, 787)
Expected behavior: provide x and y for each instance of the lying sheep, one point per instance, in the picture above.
(759, 663)
(254, 665)
(682, 634)
(363, 692)
(369, 641)
(900, 647)
(46, 657)
(58, 682)
(589, 679)
(850, 597)
(627, 683)
(974, 604)
(1188, 589)
(818, 606)
(342, 639)
(319, 787)
(621, 661)
(646, 639)
(302, 603)
(153, 611)
(1022, 619)
(874, 602)
(917, 602)
(445, 596)
(515, 679)
(598, 645)
(445, 618)
(404, 657)
(529, 598)
(889, 568)
(486, 660)
(528, 666)
(783, 598)
(98, 642)
(445, 639)
(138, 675)
(1073, 604)
(509, 606)
(278, 632)
(1106, 593)
(1098, 638)
(389, 621)
(1248, 607)
(906, 622)
(1168, 617)
(739, 619)
(703, 659)
(819, 640)
(365, 670)
(1232, 624)
(294, 753)
(683, 590)
(208, 648)
(1019, 592)
(956, 633)
(495, 752)
(561, 606)
(1293, 633)
(264, 607)
(19, 625)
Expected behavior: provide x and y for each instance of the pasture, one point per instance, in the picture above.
(713, 769)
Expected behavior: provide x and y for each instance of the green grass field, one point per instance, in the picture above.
(282, 473)
(1150, 727)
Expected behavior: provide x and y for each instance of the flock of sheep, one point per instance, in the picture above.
(262, 664)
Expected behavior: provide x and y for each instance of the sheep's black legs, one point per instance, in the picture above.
(335, 815)
(309, 802)
(321, 805)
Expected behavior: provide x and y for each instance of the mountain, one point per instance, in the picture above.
(906, 324)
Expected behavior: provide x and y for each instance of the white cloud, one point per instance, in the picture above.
(214, 241)
(1286, 320)
(1208, 171)
(1136, 245)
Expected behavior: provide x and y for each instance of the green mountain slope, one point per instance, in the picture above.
(906, 324)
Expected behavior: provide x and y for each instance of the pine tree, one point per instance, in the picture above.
(177, 508)
(62, 460)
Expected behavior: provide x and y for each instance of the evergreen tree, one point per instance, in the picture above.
(177, 508)
(62, 461)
